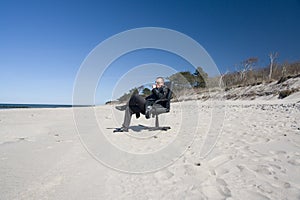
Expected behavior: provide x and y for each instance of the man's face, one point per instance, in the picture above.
(159, 83)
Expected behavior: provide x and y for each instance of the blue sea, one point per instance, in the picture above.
(10, 106)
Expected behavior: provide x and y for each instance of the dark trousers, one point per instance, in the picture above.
(136, 105)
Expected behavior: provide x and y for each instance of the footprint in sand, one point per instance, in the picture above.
(286, 185)
(163, 175)
(212, 172)
(282, 170)
(278, 152)
(254, 195)
(295, 162)
(189, 170)
(221, 171)
(266, 188)
(222, 187)
(246, 172)
(264, 169)
(220, 160)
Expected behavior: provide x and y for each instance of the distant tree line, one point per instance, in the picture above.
(246, 72)
(181, 80)
(252, 74)
(186, 79)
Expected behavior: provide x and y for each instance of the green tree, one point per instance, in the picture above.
(146, 92)
(126, 96)
(200, 78)
(183, 79)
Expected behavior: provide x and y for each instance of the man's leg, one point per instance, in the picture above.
(148, 108)
(137, 104)
(127, 118)
(126, 123)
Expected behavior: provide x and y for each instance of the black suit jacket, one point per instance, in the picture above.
(156, 94)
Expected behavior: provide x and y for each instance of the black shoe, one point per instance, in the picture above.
(137, 115)
(121, 108)
(122, 129)
(148, 112)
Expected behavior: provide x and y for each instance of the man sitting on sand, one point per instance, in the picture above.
(137, 104)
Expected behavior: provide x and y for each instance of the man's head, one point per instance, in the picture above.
(159, 82)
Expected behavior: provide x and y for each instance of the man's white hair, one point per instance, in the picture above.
(162, 80)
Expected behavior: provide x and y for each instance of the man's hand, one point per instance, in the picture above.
(153, 86)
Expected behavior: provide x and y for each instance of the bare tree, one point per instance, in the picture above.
(246, 65)
(283, 71)
(272, 57)
(221, 81)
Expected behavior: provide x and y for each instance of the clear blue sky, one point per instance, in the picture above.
(43, 43)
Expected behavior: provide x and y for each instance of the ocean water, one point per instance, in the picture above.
(10, 106)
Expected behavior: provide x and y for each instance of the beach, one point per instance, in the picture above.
(255, 154)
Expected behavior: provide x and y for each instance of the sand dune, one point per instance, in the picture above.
(256, 154)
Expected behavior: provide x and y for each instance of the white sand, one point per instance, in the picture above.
(257, 155)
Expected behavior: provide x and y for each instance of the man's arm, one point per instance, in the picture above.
(160, 93)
